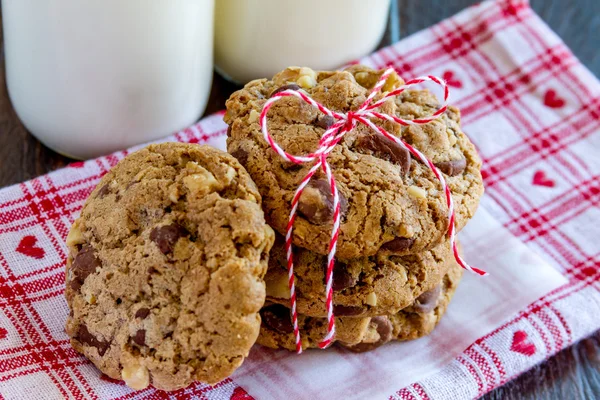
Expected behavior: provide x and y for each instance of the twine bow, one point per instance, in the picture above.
(344, 123)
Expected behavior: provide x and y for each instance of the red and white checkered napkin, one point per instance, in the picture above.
(533, 111)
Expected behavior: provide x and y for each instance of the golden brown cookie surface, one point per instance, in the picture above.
(165, 272)
(415, 321)
(381, 284)
(277, 330)
(360, 334)
(390, 202)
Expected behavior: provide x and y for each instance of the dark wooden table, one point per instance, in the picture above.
(573, 373)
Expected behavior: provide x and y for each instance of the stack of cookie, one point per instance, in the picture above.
(395, 272)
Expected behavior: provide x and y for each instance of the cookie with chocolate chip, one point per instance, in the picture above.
(415, 321)
(378, 332)
(164, 277)
(390, 202)
(277, 330)
(365, 286)
(361, 334)
(364, 333)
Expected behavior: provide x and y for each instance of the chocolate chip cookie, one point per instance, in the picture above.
(366, 333)
(415, 321)
(390, 202)
(365, 286)
(277, 330)
(164, 278)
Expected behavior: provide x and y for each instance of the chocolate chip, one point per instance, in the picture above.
(142, 313)
(85, 337)
(140, 337)
(384, 329)
(228, 130)
(427, 301)
(84, 264)
(104, 190)
(324, 121)
(399, 244)
(166, 236)
(343, 311)
(452, 168)
(342, 279)
(241, 155)
(291, 86)
(75, 285)
(277, 317)
(384, 148)
(316, 202)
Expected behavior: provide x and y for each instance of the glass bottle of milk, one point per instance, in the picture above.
(257, 38)
(91, 77)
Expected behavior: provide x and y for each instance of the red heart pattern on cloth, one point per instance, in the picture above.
(552, 100)
(3, 333)
(240, 394)
(520, 344)
(540, 179)
(451, 80)
(27, 247)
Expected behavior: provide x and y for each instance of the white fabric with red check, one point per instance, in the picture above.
(532, 110)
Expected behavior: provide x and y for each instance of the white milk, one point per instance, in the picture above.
(257, 38)
(88, 77)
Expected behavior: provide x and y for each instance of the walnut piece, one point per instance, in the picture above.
(136, 376)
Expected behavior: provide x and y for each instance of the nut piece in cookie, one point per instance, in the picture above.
(166, 266)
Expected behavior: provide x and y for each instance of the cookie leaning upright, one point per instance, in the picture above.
(390, 202)
(165, 272)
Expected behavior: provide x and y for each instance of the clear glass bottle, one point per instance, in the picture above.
(257, 38)
(91, 77)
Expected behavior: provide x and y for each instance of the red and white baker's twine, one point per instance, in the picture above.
(332, 136)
